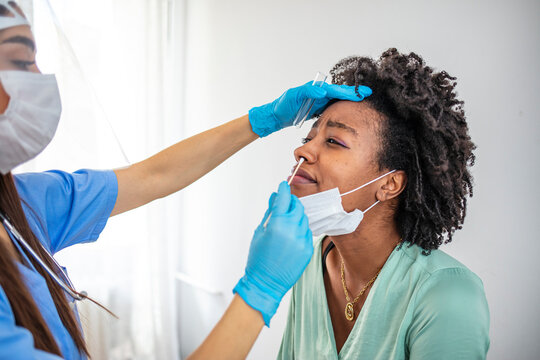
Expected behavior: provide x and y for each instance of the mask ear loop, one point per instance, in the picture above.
(369, 208)
(368, 183)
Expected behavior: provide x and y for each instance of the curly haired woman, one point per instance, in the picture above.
(383, 290)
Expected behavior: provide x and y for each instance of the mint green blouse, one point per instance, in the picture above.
(420, 307)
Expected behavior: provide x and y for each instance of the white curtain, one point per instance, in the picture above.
(119, 65)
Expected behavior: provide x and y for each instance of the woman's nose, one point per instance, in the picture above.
(307, 152)
(34, 68)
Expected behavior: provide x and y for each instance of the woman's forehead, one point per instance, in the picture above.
(354, 117)
(20, 30)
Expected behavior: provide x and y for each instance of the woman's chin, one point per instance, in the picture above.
(301, 190)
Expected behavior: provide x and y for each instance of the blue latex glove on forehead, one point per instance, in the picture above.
(278, 254)
(280, 113)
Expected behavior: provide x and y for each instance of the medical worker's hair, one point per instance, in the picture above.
(22, 303)
(423, 132)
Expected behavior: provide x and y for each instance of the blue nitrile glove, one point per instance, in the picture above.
(281, 112)
(278, 254)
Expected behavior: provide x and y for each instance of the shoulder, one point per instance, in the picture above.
(42, 179)
(449, 307)
(29, 183)
(447, 292)
(441, 275)
(435, 261)
(452, 291)
(64, 208)
(443, 287)
(54, 193)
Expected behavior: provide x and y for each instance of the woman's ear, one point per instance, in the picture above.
(392, 186)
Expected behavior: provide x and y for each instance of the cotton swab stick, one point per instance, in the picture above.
(296, 170)
(289, 182)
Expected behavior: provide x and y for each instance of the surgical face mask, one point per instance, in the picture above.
(31, 118)
(326, 214)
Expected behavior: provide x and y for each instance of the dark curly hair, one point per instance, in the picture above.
(425, 134)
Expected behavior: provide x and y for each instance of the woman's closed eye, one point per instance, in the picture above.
(336, 142)
(330, 141)
(23, 65)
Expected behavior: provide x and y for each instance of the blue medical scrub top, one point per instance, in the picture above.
(62, 209)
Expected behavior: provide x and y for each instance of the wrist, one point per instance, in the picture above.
(251, 317)
(259, 299)
(262, 120)
(247, 129)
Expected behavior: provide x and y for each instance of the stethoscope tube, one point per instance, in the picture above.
(67, 288)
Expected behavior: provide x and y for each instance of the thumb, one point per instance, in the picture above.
(282, 200)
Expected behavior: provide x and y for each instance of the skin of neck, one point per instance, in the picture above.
(6, 241)
(366, 250)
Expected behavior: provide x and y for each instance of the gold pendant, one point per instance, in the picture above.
(349, 312)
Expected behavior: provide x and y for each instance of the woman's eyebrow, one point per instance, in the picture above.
(337, 124)
(21, 40)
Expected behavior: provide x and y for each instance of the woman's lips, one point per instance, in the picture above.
(300, 180)
(302, 177)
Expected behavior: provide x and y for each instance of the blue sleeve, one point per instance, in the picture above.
(64, 209)
(17, 343)
(451, 320)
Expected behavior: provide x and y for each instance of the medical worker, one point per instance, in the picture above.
(42, 213)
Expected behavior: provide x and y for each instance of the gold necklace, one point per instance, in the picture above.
(349, 308)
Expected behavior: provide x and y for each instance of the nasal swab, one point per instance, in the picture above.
(296, 170)
(288, 182)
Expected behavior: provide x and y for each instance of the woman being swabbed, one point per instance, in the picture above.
(384, 184)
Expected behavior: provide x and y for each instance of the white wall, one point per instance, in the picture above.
(243, 53)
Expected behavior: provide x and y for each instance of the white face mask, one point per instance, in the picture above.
(31, 118)
(326, 214)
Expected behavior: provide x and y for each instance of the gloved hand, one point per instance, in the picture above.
(278, 254)
(281, 112)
